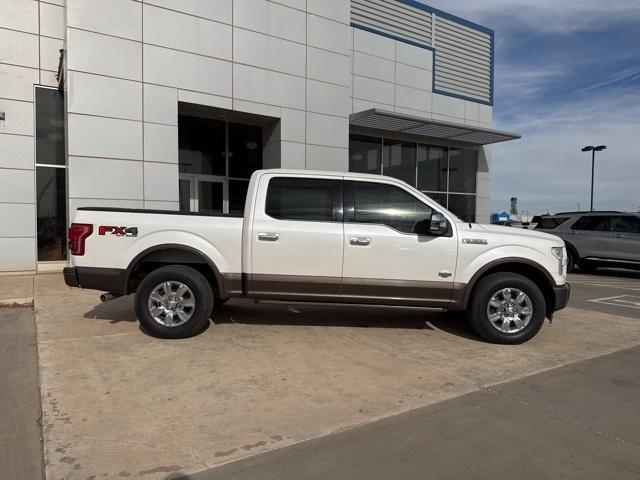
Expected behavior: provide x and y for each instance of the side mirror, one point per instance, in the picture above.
(438, 224)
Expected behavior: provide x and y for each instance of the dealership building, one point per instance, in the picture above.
(172, 104)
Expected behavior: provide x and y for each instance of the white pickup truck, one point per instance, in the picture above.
(320, 237)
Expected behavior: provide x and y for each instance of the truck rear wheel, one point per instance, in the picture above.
(174, 302)
(506, 308)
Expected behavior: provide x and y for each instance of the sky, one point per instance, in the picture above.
(567, 74)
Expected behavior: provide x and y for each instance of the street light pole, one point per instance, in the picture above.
(593, 150)
(593, 166)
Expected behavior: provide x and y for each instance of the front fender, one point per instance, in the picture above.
(472, 264)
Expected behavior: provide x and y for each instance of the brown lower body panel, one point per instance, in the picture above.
(352, 290)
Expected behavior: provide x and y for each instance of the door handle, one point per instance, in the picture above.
(360, 241)
(268, 237)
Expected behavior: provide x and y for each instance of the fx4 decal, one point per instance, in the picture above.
(118, 231)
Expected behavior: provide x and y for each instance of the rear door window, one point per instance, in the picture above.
(306, 199)
(550, 223)
(594, 223)
(625, 224)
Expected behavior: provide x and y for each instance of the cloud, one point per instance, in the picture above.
(553, 16)
(567, 75)
(546, 169)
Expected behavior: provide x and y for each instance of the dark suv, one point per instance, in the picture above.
(596, 239)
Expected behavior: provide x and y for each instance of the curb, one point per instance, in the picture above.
(16, 302)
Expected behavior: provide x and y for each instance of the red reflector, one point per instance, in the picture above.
(78, 232)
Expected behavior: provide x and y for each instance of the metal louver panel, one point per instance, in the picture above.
(463, 60)
(394, 18)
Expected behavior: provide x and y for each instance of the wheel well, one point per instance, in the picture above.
(572, 249)
(532, 273)
(170, 256)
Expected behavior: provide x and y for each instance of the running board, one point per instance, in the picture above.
(611, 260)
(338, 304)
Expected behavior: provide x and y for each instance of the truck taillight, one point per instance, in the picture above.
(78, 233)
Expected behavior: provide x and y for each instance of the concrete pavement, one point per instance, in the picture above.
(20, 433)
(262, 377)
(16, 291)
(576, 422)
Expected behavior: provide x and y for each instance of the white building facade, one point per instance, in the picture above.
(172, 104)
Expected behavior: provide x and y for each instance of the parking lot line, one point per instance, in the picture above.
(629, 301)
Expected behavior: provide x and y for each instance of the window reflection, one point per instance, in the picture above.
(365, 154)
(399, 161)
(463, 166)
(432, 168)
(463, 206)
(388, 205)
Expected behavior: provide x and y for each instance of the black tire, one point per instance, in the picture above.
(482, 293)
(202, 295)
(571, 261)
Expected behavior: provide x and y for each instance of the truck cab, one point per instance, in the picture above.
(312, 236)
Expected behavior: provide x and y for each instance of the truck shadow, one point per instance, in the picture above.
(115, 311)
(248, 312)
(609, 272)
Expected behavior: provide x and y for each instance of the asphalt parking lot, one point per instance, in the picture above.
(266, 377)
(609, 291)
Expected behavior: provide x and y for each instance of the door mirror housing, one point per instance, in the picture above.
(438, 224)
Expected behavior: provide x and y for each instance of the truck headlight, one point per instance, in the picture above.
(558, 252)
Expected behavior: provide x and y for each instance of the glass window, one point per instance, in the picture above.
(365, 154)
(309, 199)
(52, 213)
(441, 198)
(463, 206)
(245, 150)
(626, 224)
(388, 205)
(49, 126)
(463, 167)
(237, 196)
(210, 195)
(184, 193)
(399, 161)
(550, 223)
(202, 146)
(432, 168)
(599, 223)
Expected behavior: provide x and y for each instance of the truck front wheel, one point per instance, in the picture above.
(174, 302)
(506, 308)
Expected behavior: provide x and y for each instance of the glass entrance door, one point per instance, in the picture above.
(210, 196)
(204, 194)
(216, 160)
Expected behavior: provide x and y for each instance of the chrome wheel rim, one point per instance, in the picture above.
(171, 303)
(509, 310)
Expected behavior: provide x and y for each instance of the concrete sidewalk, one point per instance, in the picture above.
(575, 422)
(262, 377)
(20, 433)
